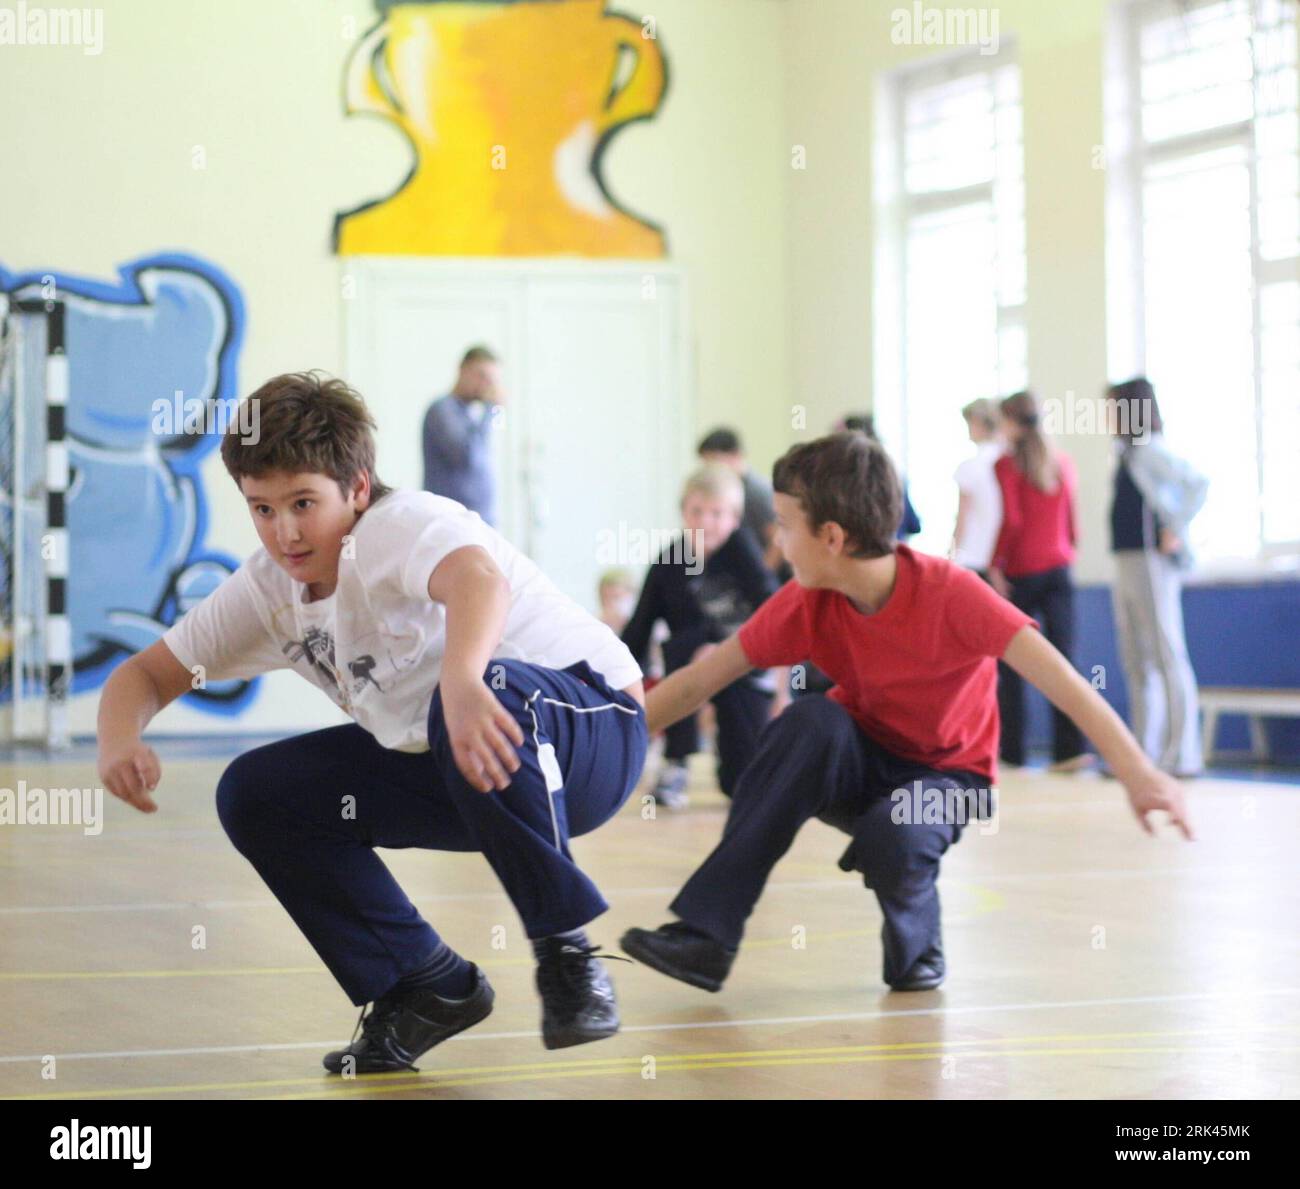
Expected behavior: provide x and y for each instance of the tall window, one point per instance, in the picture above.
(1206, 202)
(952, 206)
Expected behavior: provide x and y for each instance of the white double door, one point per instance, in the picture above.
(595, 434)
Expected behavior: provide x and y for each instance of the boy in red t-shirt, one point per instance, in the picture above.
(902, 752)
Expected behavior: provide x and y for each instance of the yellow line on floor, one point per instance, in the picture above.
(691, 1067)
(931, 1048)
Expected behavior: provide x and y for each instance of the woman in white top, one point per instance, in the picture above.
(979, 506)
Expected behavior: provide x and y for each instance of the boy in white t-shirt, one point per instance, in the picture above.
(491, 713)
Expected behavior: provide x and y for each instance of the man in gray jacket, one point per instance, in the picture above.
(457, 435)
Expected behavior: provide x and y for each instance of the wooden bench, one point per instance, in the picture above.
(1256, 704)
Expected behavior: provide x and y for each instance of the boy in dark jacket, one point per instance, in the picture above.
(703, 587)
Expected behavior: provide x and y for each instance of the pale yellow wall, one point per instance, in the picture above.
(837, 52)
(716, 164)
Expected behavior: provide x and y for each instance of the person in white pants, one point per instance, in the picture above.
(1156, 495)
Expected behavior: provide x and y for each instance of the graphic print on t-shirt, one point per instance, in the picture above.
(317, 646)
(361, 669)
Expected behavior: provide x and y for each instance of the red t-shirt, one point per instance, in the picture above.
(918, 676)
(1037, 526)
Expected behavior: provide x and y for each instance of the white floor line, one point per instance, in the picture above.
(844, 883)
(986, 1009)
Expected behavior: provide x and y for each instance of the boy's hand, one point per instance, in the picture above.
(1148, 788)
(998, 580)
(482, 734)
(1156, 790)
(131, 773)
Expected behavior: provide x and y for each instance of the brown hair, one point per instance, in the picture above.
(722, 440)
(846, 478)
(307, 423)
(478, 354)
(1031, 454)
(1134, 408)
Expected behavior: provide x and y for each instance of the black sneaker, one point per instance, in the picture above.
(578, 1004)
(401, 1027)
(927, 972)
(682, 953)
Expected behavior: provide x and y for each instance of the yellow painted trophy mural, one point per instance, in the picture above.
(508, 106)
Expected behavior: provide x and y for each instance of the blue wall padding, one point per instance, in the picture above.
(1237, 635)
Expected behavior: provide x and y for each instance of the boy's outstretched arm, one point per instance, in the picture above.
(476, 595)
(138, 689)
(1149, 789)
(688, 689)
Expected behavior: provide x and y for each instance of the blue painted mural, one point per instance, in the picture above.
(137, 515)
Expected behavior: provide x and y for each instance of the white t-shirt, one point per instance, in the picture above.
(375, 646)
(983, 521)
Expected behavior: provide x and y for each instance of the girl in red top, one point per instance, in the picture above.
(1031, 565)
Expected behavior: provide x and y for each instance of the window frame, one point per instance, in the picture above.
(894, 208)
(1129, 155)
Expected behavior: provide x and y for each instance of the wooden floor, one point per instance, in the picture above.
(1085, 960)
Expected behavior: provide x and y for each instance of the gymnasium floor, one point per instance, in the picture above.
(1192, 991)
